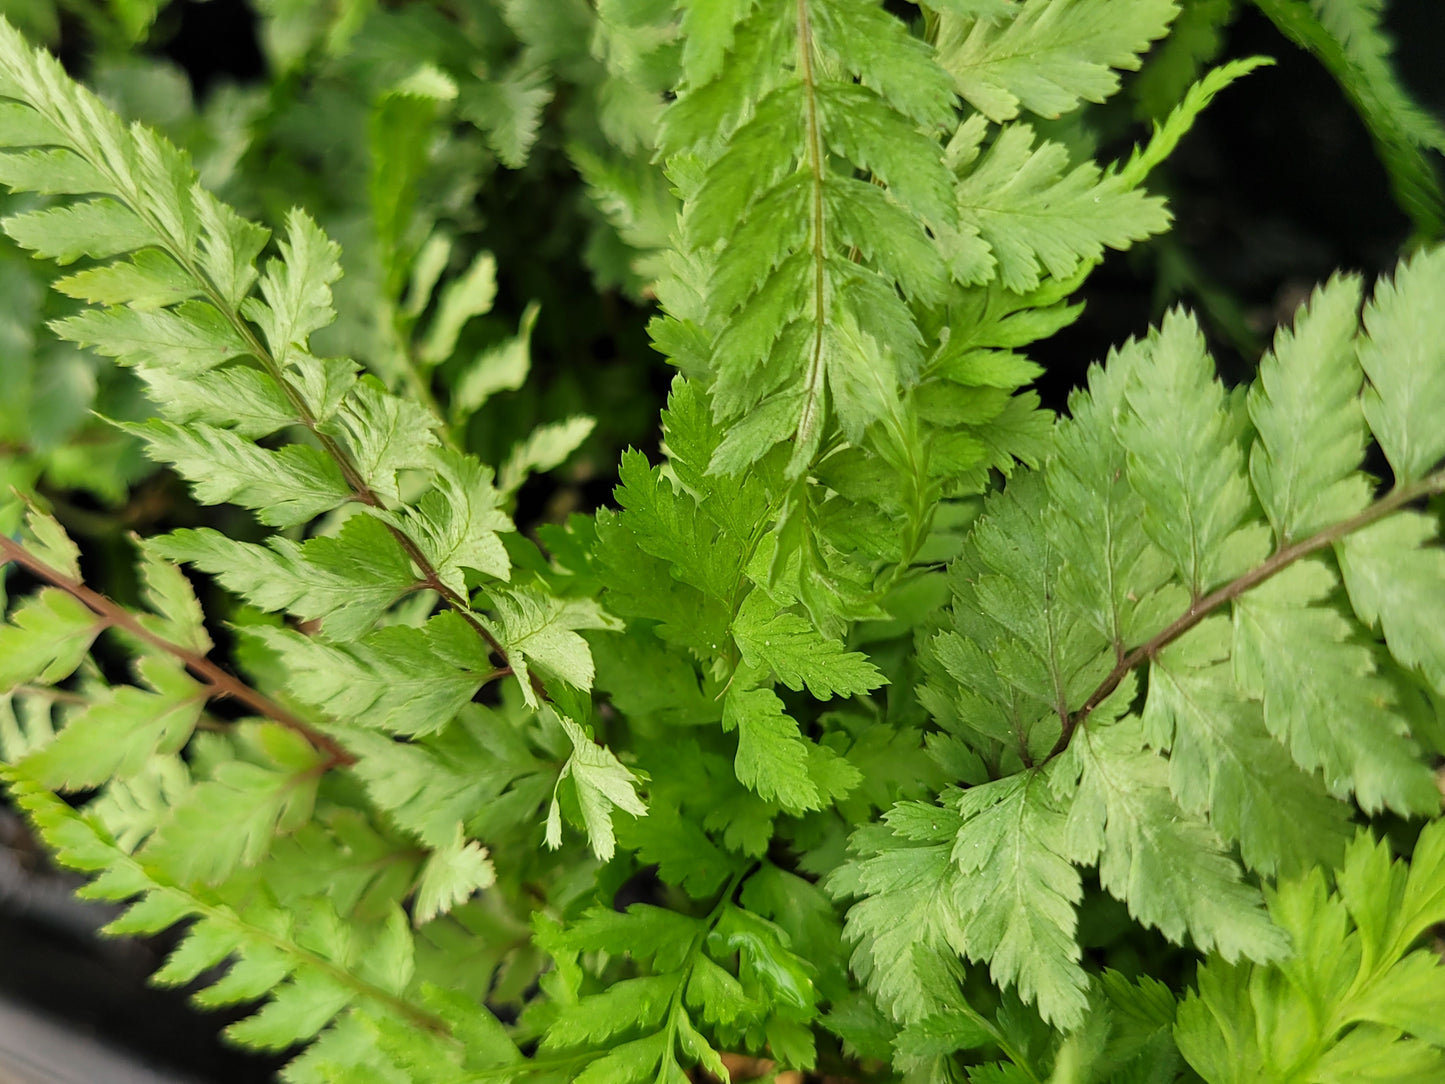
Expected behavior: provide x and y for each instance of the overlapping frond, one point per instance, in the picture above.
(878, 678)
(1254, 724)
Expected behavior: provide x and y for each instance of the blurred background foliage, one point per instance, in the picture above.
(486, 166)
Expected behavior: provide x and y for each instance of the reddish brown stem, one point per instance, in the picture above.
(361, 492)
(219, 682)
(349, 470)
(1203, 607)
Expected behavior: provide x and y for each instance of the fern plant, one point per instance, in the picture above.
(876, 697)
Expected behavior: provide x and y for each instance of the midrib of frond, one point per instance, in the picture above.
(812, 411)
(50, 814)
(125, 188)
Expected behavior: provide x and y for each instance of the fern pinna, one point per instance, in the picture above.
(871, 688)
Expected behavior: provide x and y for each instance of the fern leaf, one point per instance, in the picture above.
(1356, 25)
(402, 679)
(1016, 658)
(1020, 214)
(346, 581)
(131, 809)
(471, 294)
(601, 784)
(400, 127)
(43, 536)
(341, 856)
(247, 401)
(285, 487)
(1171, 869)
(1018, 895)
(455, 524)
(692, 439)
(50, 172)
(481, 770)
(772, 757)
(674, 529)
(451, 873)
(1196, 99)
(1185, 459)
(298, 1009)
(906, 926)
(1404, 358)
(186, 340)
(644, 680)
(871, 44)
(99, 229)
(701, 818)
(627, 1004)
(46, 639)
(508, 110)
(790, 647)
(547, 448)
(707, 34)
(369, 1044)
(117, 733)
(384, 433)
(1115, 577)
(230, 820)
(1353, 999)
(1051, 55)
(1236, 711)
(1305, 409)
(1395, 574)
(296, 288)
(776, 293)
(1223, 760)
(305, 960)
(503, 367)
(540, 630)
(1340, 718)
(656, 1023)
(637, 202)
(182, 232)
(640, 585)
(229, 245)
(177, 616)
(321, 386)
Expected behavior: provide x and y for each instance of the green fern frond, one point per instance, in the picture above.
(882, 708)
(1002, 65)
(730, 972)
(1033, 670)
(776, 295)
(309, 965)
(1356, 995)
(221, 339)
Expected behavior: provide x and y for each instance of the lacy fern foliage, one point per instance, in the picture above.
(884, 713)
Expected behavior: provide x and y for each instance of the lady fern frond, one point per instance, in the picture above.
(882, 700)
(309, 966)
(761, 133)
(1377, 1006)
(1240, 738)
(1004, 62)
(227, 329)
